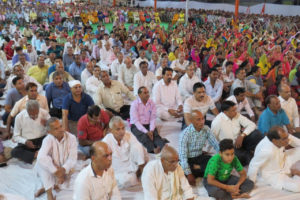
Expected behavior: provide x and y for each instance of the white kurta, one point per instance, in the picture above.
(140, 80)
(54, 154)
(92, 85)
(273, 164)
(158, 185)
(186, 85)
(89, 186)
(126, 158)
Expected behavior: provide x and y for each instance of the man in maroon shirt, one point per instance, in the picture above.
(91, 127)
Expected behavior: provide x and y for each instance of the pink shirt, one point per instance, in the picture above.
(143, 114)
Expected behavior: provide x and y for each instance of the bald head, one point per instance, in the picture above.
(284, 91)
(168, 152)
(101, 156)
(197, 119)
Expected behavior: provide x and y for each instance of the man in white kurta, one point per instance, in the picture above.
(57, 156)
(97, 180)
(187, 82)
(128, 156)
(167, 98)
(93, 83)
(274, 163)
(164, 179)
(126, 73)
(144, 78)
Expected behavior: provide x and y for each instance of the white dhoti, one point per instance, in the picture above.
(48, 179)
(163, 114)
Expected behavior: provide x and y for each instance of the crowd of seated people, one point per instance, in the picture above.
(75, 89)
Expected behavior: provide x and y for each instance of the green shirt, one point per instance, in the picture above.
(220, 170)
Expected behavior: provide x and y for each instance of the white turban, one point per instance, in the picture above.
(73, 83)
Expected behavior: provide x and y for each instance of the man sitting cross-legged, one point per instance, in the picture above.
(274, 163)
(56, 158)
(128, 157)
(193, 139)
(218, 180)
(142, 120)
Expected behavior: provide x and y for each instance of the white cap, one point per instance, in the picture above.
(73, 83)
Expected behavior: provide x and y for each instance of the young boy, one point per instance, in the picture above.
(218, 180)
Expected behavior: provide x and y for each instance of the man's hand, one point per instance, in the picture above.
(130, 88)
(60, 172)
(29, 144)
(233, 189)
(150, 134)
(239, 141)
(180, 109)
(191, 179)
(173, 112)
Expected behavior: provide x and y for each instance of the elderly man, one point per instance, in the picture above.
(126, 73)
(142, 120)
(144, 78)
(59, 67)
(166, 97)
(87, 73)
(192, 140)
(29, 131)
(229, 124)
(31, 90)
(68, 58)
(97, 180)
(74, 105)
(154, 64)
(56, 158)
(164, 179)
(106, 53)
(142, 57)
(40, 71)
(274, 163)
(187, 82)
(110, 96)
(239, 98)
(128, 158)
(179, 65)
(96, 50)
(289, 104)
(199, 101)
(274, 115)
(91, 127)
(76, 67)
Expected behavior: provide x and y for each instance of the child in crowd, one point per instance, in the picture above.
(218, 180)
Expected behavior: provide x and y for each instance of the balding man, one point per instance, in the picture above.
(192, 159)
(106, 53)
(56, 158)
(128, 158)
(164, 178)
(126, 73)
(274, 163)
(288, 104)
(97, 180)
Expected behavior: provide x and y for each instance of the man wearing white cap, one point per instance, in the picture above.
(75, 105)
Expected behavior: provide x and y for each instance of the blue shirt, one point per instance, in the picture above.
(268, 119)
(77, 110)
(56, 95)
(75, 70)
(53, 68)
(12, 97)
(15, 59)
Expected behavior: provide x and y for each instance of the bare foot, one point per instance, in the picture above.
(39, 192)
(243, 195)
(50, 196)
(56, 188)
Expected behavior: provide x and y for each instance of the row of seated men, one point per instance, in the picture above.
(143, 114)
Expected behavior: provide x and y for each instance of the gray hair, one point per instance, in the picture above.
(114, 120)
(50, 121)
(32, 105)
